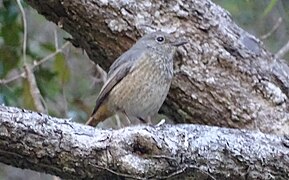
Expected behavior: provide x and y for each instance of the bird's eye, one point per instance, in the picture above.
(160, 39)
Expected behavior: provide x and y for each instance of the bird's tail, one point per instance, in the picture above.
(99, 115)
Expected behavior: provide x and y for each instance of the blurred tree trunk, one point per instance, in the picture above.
(223, 77)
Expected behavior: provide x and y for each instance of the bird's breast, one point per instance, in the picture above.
(142, 91)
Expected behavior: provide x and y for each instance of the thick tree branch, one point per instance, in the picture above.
(223, 77)
(74, 151)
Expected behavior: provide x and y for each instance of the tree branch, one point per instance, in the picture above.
(74, 151)
(283, 51)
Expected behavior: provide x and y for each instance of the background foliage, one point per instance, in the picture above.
(69, 82)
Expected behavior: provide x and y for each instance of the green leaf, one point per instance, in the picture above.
(9, 59)
(46, 81)
(269, 8)
(11, 95)
(9, 12)
(62, 69)
(28, 102)
(48, 46)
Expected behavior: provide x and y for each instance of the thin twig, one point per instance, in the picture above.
(102, 73)
(25, 30)
(6, 81)
(38, 63)
(34, 90)
(282, 51)
(275, 27)
(50, 55)
(55, 38)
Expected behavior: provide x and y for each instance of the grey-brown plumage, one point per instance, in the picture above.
(139, 80)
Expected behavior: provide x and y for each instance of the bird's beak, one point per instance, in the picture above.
(179, 43)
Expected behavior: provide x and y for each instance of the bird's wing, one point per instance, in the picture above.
(118, 70)
(129, 56)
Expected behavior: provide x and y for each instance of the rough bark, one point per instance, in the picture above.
(74, 151)
(223, 77)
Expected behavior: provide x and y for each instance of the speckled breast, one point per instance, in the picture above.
(142, 92)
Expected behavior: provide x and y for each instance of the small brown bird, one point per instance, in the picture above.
(139, 80)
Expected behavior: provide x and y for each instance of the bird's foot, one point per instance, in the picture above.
(161, 122)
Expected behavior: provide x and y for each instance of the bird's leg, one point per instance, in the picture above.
(145, 121)
(149, 120)
(127, 118)
(162, 121)
(118, 122)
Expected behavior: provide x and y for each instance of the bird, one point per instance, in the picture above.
(139, 80)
